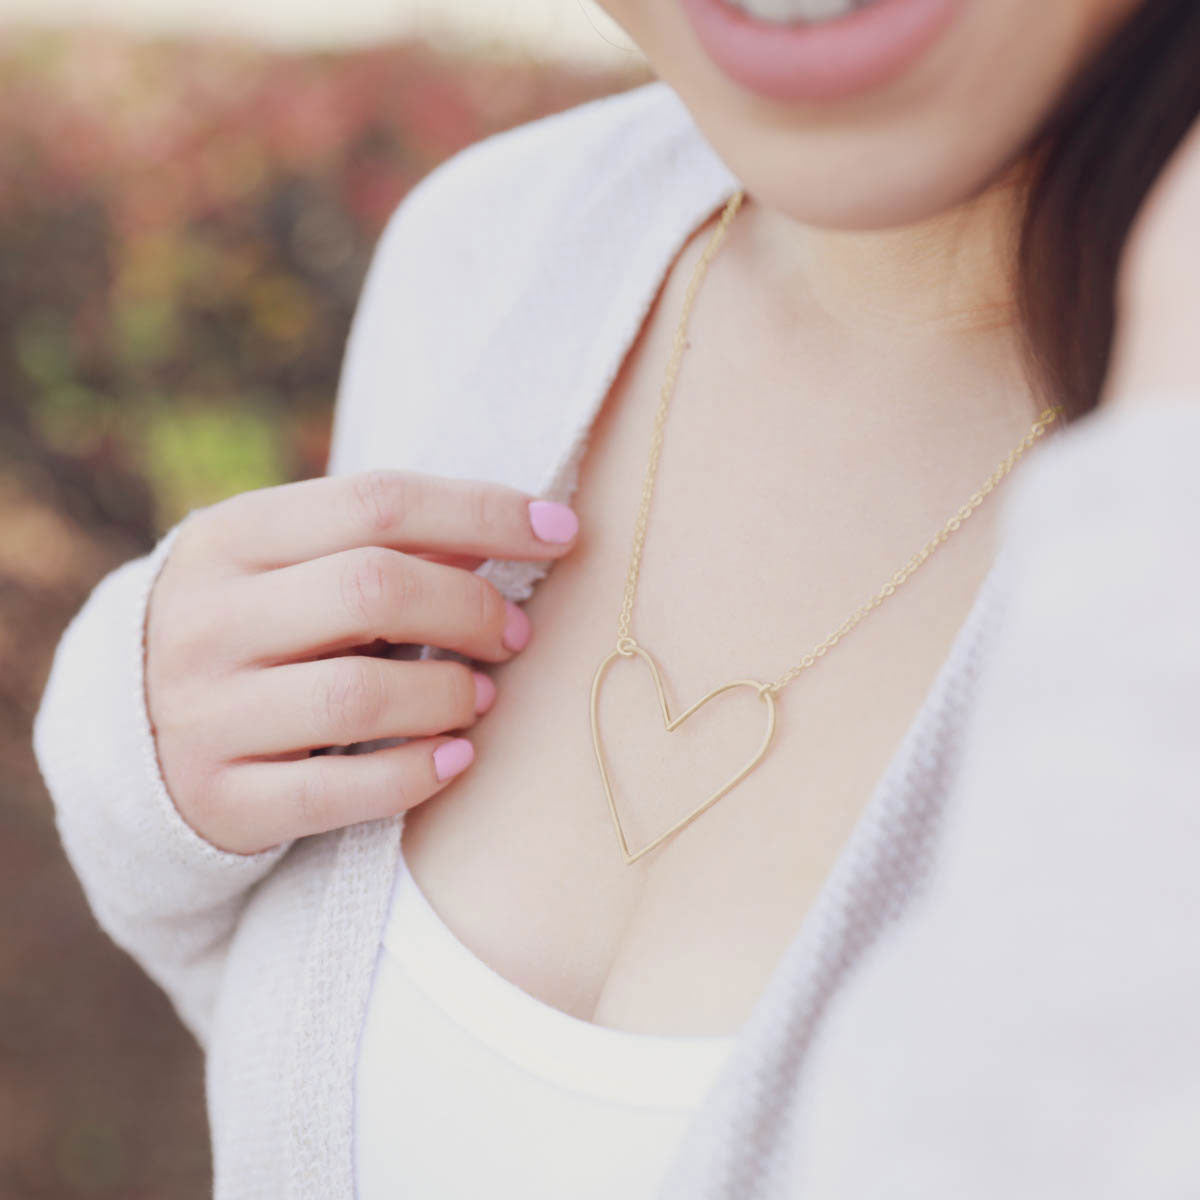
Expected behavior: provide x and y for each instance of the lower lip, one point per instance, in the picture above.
(826, 61)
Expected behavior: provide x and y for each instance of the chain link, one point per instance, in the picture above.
(626, 643)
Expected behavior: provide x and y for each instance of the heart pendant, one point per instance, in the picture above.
(672, 724)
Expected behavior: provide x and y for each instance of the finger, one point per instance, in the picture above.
(468, 562)
(357, 596)
(340, 701)
(273, 802)
(405, 510)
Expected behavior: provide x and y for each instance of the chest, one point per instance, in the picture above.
(756, 550)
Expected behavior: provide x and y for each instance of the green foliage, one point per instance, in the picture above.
(184, 228)
(199, 450)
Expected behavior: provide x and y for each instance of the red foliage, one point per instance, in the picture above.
(183, 231)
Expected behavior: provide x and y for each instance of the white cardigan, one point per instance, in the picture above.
(996, 993)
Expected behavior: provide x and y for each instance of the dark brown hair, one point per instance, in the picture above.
(1092, 163)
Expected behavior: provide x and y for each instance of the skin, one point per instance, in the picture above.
(262, 634)
(891, 206)
(867, 265)
(884, 287)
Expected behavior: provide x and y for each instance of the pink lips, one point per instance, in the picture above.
(820, 61)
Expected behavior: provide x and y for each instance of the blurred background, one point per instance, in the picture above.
(190, 193)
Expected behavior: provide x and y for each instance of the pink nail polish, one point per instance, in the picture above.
(552, 522)
(517, 628)
(452, 757)
(485, 692)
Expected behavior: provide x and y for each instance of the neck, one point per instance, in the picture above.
(949, 277)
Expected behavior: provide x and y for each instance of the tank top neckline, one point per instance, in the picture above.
(640, 1069)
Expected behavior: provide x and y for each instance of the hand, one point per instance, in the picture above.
(255, 632)
(1157, 343)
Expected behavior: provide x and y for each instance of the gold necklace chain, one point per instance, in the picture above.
(628, 647)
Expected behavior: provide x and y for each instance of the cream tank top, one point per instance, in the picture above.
(467, 1085)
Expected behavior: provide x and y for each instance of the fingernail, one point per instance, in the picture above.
(453, 756)
(517, 628)
(485, 692)
(552, 522)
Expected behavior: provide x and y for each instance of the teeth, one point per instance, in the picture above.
(785, 11)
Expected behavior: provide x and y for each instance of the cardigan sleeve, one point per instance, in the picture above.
(162, 892)
(167, 896)
(1034, 1031)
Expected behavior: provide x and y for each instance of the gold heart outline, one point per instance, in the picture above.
(671, 724)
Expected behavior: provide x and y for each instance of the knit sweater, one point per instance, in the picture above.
(995, 992)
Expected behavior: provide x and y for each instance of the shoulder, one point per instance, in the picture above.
(500, 182)
(497, 245)
(483, 213)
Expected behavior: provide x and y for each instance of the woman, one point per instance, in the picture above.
(939, 939)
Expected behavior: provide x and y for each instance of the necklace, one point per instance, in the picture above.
(628, 647)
